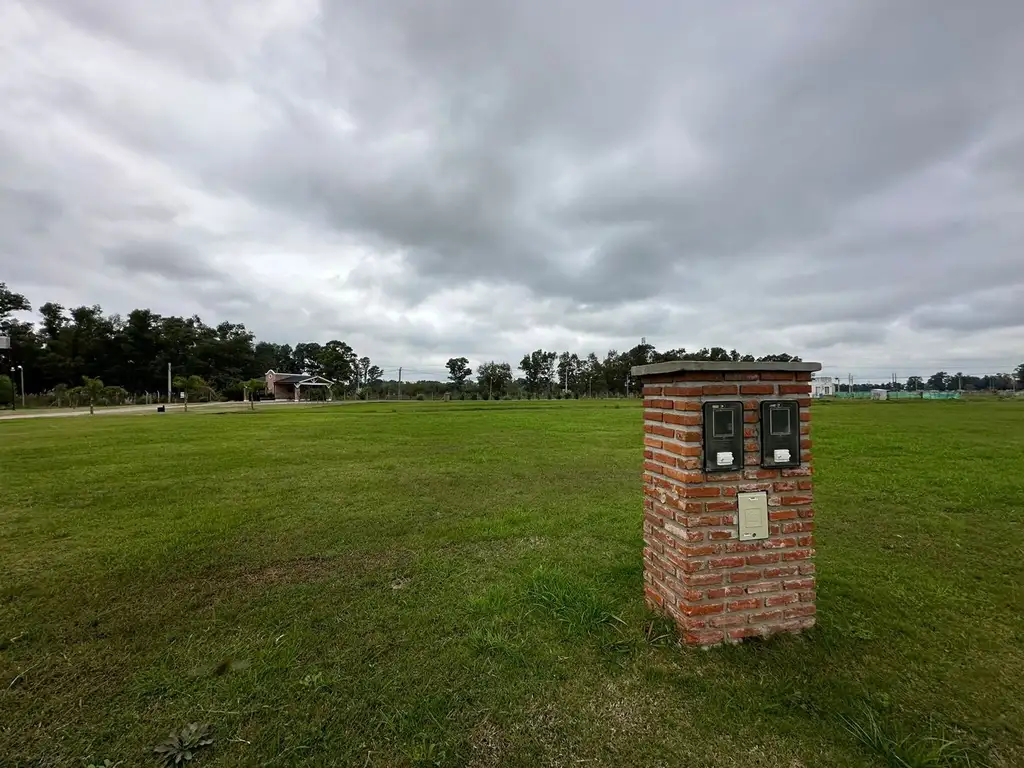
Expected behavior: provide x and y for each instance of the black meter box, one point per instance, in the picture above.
(780, 433)
(723, 436)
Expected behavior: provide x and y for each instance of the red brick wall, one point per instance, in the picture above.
(716, 587)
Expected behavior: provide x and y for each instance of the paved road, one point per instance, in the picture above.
(116, 411)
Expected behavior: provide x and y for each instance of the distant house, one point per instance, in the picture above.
(288, 386)
(823, 386)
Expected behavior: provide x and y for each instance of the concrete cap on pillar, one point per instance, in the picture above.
(717, 366)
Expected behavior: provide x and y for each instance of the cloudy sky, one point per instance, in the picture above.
(843, 180)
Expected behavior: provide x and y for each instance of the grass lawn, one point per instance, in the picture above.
(460, 583)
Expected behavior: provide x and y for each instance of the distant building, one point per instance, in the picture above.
(823, 386)
(288, 386)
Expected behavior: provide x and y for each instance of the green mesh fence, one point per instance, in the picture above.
(900, 395)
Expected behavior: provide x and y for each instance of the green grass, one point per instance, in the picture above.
(452, 584)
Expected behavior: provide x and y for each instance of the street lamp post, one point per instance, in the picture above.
(22, 369)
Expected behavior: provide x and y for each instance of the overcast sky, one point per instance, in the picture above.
(840, 180)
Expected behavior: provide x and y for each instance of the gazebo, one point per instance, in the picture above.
(288, 386)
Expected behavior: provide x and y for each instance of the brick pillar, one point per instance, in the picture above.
(696, 570)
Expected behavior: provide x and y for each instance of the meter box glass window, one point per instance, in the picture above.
(723, 436)
(780, 433)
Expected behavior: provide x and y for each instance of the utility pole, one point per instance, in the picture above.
(399, 382)
(169, 390)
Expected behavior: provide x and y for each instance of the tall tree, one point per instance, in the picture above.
(591, 374)
(54, 321)
(369, 374)
(458, 371)
(266, 356)
(616, 372)
(563, 369)
(337, 361)
(538, 369)
(642, 354)
(305, 359)
(24, 343)
(11, 302)
(939, 381)
(494, 377)
(569, 367)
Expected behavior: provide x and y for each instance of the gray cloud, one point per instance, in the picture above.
(171, 261)
(998, 308)
(845, 179)
(831, 335)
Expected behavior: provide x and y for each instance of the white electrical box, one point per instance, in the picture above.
(753, 516)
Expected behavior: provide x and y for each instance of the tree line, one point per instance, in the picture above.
(80, 354)
(132, 353)
(943, 381)
(550, 373)
(947, 382)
